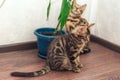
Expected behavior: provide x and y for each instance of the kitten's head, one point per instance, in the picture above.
(78, 9)
(82, 31)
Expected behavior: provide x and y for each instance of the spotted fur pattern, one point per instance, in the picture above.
(63, 53)
(74, 19)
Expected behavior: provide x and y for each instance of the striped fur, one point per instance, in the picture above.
(74, 19)
(43, 71)
(63, 53)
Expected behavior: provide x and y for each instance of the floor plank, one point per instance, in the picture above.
(100, 64)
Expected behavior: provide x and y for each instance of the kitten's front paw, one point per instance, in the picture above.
(86, 50)
(80, 66)
(77, 70)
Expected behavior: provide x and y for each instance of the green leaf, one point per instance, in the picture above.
(62, 7)
(65, 10)
(65, 14)
(64, 2)
(48, 9)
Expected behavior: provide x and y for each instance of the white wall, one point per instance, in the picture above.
(107, 21)
(19, 18)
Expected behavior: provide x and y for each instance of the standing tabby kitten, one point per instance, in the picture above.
(74, 17)
(63, 53)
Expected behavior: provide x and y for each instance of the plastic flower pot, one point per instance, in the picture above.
(43, 41)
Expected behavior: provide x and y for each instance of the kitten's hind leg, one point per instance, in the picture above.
(66, 65)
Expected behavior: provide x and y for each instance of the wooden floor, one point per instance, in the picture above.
(100, 64)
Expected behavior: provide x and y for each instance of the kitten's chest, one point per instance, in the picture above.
(81, 46)
(78, 47)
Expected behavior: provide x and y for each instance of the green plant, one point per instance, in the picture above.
(66, 7)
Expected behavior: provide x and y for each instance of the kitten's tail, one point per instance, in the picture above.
(41, 72)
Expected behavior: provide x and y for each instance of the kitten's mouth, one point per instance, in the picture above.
(75, 12)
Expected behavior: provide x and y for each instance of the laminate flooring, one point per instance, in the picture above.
(100, 64)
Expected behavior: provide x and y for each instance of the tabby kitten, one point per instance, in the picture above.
(63, 53)
(74, 19)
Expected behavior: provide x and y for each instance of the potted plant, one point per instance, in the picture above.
(46, 35)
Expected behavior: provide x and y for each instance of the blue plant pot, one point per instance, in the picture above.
(44, 41)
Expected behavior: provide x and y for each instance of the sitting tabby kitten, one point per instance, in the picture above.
(84, 22)
(63, 53)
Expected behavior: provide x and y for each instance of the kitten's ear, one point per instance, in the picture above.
(74, 3)
(83, 7)
(90, 25)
